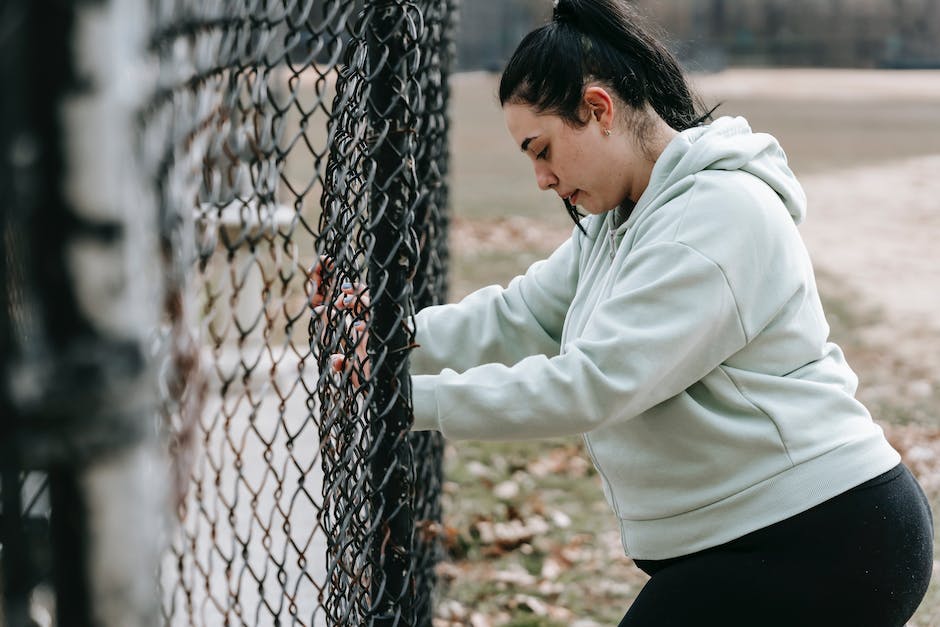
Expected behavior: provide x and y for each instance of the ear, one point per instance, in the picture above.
(599, 105)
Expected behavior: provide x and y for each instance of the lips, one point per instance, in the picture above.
(572, 197)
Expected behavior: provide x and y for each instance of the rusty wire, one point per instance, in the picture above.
(283, 130)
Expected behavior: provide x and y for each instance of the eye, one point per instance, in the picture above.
(543, 154)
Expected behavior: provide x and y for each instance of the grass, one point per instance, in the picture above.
(490, 180)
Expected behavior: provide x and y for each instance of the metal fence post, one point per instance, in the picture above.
(391, 40)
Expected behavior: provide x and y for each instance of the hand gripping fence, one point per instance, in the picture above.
(269, 134)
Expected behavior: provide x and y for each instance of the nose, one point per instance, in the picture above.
(545, 178)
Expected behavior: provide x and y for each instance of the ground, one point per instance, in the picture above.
(530, 539)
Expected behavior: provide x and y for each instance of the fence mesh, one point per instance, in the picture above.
(283, 131)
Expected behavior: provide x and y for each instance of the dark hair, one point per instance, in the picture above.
(604, 41)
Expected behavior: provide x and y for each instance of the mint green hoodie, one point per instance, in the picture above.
(687, 344)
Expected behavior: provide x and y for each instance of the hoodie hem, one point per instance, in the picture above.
(775, 499)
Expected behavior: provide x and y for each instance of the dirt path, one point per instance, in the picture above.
(834, 85)
(876, 228)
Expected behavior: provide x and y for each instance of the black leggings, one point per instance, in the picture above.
(863, 559)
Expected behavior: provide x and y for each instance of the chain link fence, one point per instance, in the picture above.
(275, 133)
(322, 132)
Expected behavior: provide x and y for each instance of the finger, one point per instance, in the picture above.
(359, 331)
(360, 339)
(324, 262)
(315, 272)
(353, 288)
(318, 286)
(344, 301)
(351, 299)
(320, 324)
(341, 365)
(358, 290)
(315, 293)
(356, 363)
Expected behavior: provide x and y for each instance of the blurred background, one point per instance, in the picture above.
(851, 89)
(714, 34)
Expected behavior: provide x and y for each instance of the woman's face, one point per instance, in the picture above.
(585, 165)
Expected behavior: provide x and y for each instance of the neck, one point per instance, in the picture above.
(655, 142)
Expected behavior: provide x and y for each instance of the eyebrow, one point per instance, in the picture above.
(526, 142)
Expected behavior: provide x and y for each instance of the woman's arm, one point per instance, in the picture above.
(670, 320)
(497, 325)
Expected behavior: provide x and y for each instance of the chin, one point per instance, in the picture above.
(595, 211)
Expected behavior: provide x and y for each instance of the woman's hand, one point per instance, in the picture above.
(353, 302)
(319, 285)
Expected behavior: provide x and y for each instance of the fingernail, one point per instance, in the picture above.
(348, 299)
(360, 325)
(319, 309)
(347, 285)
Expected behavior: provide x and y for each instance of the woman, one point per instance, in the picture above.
(680, 331)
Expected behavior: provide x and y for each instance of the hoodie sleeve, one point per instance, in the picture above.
(670, 319)
(497, 325)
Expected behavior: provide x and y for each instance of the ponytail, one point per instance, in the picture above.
(603, 41)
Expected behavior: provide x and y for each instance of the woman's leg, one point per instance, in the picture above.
(863, 559)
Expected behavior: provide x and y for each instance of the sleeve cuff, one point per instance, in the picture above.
(424, 403)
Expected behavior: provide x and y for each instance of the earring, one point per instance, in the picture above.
(607, 132)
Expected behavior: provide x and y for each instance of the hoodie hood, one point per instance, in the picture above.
(725, 144)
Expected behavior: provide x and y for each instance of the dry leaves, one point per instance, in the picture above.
(565, 460)
(517, 553)
(505, 536)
